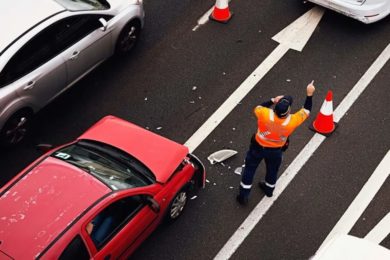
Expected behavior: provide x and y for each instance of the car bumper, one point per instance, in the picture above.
(366, 13)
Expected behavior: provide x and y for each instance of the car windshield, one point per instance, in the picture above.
(108, 164)
(84, 5)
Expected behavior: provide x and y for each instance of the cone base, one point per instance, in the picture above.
(311, 127)
(219, 20)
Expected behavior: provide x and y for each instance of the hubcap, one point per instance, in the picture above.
(129, 39)
(17, 131)
(178, 204)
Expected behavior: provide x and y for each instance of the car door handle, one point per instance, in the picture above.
(29, 85)
(75, 55)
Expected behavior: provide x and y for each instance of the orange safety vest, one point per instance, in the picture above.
(273, 131)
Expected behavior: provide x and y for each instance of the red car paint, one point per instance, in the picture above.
(159, 154)
(49, 204)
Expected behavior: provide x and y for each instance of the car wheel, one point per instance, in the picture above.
(177, 205)
(16, 128)
(128, 37)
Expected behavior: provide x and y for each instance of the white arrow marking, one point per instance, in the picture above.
(292, 170)
(360, 203)
(313, 16)
(299, 32)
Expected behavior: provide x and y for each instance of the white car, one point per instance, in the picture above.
(366, 11)
(48, 45)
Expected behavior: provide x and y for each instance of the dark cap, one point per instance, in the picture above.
(282, 108)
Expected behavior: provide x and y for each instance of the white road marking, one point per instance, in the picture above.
(360, 203)
(382, 229)
(311, 17)
(263, 206)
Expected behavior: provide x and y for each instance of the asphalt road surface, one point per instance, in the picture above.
(176, 78)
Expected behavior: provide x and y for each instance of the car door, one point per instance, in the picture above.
(120, 225)
(37, 72)
(86, 44)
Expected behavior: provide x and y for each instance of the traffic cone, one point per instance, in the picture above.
(221, 12)
(324, 124)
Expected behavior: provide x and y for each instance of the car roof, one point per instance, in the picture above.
(17, 17)
(41, 204)
(161, 155)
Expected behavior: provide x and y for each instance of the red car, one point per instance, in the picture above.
(97, 197)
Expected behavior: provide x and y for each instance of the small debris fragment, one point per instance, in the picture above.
(238, 170)
(146, 99)
(214, 184)
(221, 155)
(223, 73)
(194, 87)
(192, 102)
(194, 197)
(231, 187)
(288, 80)
(199, 97)
(234, 129)
(159, 128)
(207, 181)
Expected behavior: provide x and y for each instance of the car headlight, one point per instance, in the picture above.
(136, 2)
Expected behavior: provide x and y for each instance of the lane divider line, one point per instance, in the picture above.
(362, 200)
(382, 229)
(292, 170)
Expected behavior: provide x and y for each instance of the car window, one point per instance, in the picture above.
(48, 44)
(112, 219)
(83, 5)
(72, 29)
(110, 169)
(75, 250)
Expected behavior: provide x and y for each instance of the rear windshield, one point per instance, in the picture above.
(84, 5)
(117, 170)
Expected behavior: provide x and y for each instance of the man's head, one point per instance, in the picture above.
(282, 108)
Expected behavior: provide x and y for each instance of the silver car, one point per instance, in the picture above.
(48, 45)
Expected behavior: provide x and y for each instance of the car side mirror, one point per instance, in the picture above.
(104, 24)
(44, 147)
(152, 203)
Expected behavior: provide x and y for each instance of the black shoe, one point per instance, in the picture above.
(241, 200)
(264, 188)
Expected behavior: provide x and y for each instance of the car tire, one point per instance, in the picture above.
(16, 128)
(177, 205)
(128, 37)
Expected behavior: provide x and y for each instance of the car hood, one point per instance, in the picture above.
(161, 155)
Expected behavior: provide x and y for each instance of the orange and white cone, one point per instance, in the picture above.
(221, 12)
(324, 124)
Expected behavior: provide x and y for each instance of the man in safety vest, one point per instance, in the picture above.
(274, 128)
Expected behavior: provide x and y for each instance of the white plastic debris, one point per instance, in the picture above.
(238, 170)
(221, 155)
(231, 187)
(159, 128)
(146, 99)
(288, 80)
(194, 197)
(207, 181)
(194, 87)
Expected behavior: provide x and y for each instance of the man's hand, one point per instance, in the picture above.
(310, 89)
(276, 99)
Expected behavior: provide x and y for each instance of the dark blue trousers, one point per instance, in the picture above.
(256, 153)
